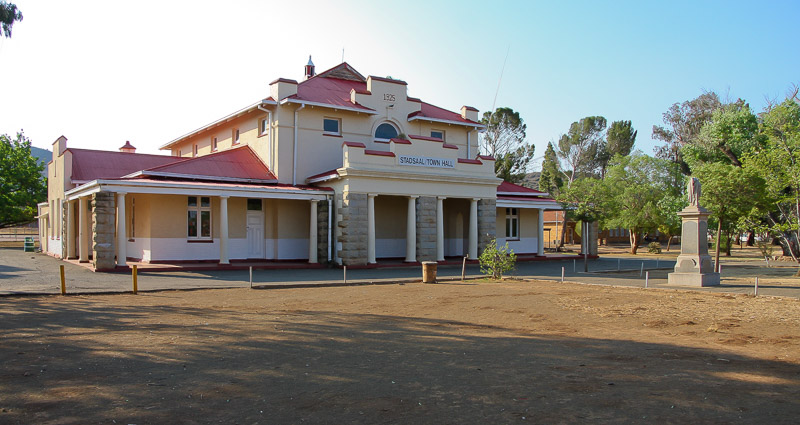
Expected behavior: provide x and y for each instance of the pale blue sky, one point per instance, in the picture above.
(148, 71)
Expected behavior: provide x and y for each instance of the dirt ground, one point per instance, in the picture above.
(477, 352)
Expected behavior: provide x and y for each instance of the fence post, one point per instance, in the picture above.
(562, 275)
(135, 279)
(251, 277)
(756, 290)
(63, 283)
(646, 279)
(464, 269)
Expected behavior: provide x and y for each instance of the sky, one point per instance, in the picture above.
(103, 72)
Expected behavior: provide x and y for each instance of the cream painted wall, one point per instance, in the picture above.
(390, 217)
(528, 222)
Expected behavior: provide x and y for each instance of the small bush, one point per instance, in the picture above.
(496, 261)
(654, 248)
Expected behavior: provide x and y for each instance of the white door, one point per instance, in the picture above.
(255, 234)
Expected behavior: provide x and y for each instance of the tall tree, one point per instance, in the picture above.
(731, 132)
(634, 186)
(683, 123)
(778, 161)
(9, 13)
(21, 182)
(550, 180)
(730, 193)
(504, 139)
(577, 150)
(619, 141)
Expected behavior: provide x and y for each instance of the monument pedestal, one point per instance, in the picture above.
(694, 266)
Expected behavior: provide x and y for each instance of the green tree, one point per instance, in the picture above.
(21, 182)
(669, 223)
(729, 193)
(9, 13)
(683, 123)
(778, 161)
(550, 180)
(504, 139)
(619, 141)
(731, 133)
(634, 186)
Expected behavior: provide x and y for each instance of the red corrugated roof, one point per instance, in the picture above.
(435, 112)
(506, 187)
(91, 164)
(547, 201)
(238, 163)
(330, 91)
(192, 183)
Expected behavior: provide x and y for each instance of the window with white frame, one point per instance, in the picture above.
(439, 134)
(235, 136)
(332, 126)
(512, 223)
(263, 127)
(199, 217)
(385, 131)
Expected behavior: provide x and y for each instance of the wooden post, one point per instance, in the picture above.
(464, 269)
(63, 282)
(135, 279)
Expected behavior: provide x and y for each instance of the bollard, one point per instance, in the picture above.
(251, 277)
(464, 269)
(646, 279)
(756, 290)
(63, 283)
(562, 275)
(641, 270)
(429, 271)
(135, 275)
(345, 275)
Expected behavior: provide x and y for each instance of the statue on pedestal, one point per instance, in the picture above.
(693, 190)
(694, 267)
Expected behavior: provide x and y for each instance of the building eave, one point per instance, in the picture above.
(329, 105)
(465, 124)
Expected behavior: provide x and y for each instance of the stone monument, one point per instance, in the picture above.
(694, 266)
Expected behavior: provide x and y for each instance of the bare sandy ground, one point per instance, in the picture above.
(479, 352)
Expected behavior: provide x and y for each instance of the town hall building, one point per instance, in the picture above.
(338, 168)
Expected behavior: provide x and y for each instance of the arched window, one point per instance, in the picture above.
(385, 131)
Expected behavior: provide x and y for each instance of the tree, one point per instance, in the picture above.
(21, 182)
(730, 193)
(619, 141)
(634, 186)
(778, 161)
(731, 132)
(550, 180)
(683, 123)
(504, 139)
(578, 150)
(8, 15)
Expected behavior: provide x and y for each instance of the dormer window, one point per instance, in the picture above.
(384, 132)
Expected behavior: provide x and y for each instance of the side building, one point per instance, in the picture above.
(338, 168)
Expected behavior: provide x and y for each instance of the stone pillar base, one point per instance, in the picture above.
(693, 279)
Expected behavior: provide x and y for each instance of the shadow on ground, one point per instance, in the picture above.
(80, 362)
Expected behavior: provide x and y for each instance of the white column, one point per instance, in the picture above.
(223, 230)
(83, 231)
(312, 233)
(473, 229)
(371, 228)
(70, 229)
(540, 249)
(411, 230)
(122, 237)
(439, 229)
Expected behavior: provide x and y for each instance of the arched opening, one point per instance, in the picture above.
(385, 131)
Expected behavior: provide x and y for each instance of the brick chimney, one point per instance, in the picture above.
(127, 148)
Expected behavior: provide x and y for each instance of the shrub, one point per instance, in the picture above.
(496, 261)
(654, 248)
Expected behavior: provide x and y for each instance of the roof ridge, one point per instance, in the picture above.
(185, 160)
(119, 153)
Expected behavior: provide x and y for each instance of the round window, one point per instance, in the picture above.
(385, 131)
